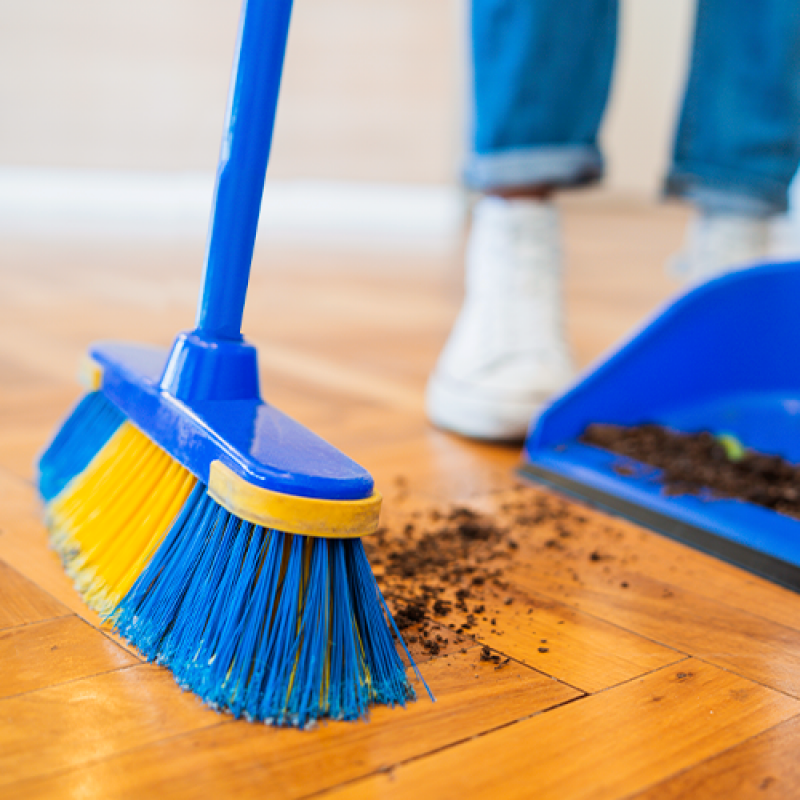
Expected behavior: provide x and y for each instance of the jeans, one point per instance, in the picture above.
(541, 76)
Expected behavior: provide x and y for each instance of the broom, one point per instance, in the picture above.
(219, 536)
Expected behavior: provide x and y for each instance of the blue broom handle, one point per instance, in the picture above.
(249, 122)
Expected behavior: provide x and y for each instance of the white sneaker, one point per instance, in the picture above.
(507, 353)
(718, 243)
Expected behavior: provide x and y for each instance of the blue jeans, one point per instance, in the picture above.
(541, 74)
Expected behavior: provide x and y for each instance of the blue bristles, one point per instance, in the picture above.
(89, 426)
(271, 626)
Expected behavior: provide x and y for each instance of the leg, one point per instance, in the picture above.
(541, 78)
(541, 74)
(738, 142)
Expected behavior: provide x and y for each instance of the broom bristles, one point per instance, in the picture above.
(89, 426)
(269, 625)
(111, 517)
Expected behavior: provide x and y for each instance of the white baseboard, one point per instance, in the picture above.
(86, 204)
(174, 205)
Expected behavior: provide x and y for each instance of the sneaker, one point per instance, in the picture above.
(719, 243)
(507, 353)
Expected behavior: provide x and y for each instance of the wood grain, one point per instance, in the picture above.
(580, 650)
(604, 746)
(24, 545)
(472, 698)
(689, 616)
(765, 766)
(32, 656)
(663, 672)
(79, 722)
(22, 602)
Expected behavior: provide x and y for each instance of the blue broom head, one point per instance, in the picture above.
(271, 626)
(282, 623)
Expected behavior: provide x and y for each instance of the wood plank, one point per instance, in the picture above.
(574, 647)
(24, 546)
(85, 720)
(22, 602)
(437, 467)
(56, 651)
(604, 746)
(745, 643)
(592, 570)
(765, 766)
(681, 566)
(628, 548)
(43, 355)
(252, 761)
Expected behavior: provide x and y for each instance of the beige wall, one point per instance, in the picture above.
(369, 92)
(373, 88)
(113, 84)
(650, 72)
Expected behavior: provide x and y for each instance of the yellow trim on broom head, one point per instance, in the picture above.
(308, 516)
(90, 374)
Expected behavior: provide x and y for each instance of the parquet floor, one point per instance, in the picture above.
(666, 674)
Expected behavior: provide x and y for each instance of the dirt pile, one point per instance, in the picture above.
(699, 463)
(443, 570)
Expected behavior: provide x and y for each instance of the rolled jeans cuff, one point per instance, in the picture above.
(716, 191)
(556, 165)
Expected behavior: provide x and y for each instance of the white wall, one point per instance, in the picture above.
(368, 91)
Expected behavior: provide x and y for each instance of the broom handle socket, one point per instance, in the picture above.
(249, 122)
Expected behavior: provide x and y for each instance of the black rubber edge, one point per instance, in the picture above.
(765, 566)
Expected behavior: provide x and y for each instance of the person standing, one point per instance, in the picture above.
(541, 76)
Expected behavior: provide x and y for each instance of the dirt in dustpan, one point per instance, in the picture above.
(703, 464)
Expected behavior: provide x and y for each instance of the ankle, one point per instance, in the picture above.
(537, 192)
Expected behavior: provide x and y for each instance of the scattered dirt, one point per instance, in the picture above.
(699, 464)
(493, 658)
(447, 561)
(443, 570)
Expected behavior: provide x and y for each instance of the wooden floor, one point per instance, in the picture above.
(666, 674)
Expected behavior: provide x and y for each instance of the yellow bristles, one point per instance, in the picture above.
(107, 522)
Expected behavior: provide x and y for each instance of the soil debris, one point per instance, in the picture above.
(700, 464)
(443, 570)
(493, 658)
(448, 563)
(409, 614)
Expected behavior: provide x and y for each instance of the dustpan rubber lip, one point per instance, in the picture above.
(759, 563)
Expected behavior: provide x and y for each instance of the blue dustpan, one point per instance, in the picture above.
(723, 357)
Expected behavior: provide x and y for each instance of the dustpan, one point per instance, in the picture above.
(722, 357)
